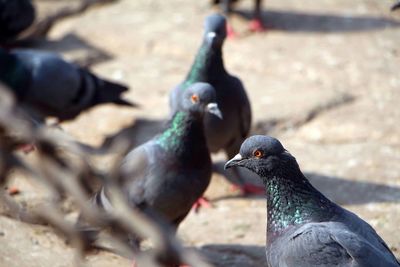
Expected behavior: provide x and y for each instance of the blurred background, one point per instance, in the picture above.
(323, 78)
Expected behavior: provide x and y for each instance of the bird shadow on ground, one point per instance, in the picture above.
(79, 50)
(347, 192)
(340, 190)
(292, 21)
(234, 255)
(140, 132)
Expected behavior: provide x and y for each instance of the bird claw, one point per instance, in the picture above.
(256, 25)
(230, 31)
(13, 190)
(201, 202)
(26, 148)
(249, 189)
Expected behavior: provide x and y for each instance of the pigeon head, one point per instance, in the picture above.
(261, 154)
(215, 30)
(200, 98)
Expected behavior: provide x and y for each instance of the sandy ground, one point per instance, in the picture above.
(324, 79)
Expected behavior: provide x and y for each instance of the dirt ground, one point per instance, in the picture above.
(324, 78)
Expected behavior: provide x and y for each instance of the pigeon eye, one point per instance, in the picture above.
(258, 153)
(195, 99)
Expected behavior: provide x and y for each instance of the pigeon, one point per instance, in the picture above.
(395, 6)
(256, 24)
(304, 228)
(226, 134)
(15, 17)
(167, 174)
(47, 85)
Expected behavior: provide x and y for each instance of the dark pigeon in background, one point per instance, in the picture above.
(15, 17)
(166, 175)
(304, 228)
(256, 23)
(208, 66)
(47, 85)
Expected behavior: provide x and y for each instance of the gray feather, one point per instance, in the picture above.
(304, 228)
(230, 132)
(54, 87)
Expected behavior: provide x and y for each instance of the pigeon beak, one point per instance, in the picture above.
(233, 162)
(213, 109)
(210, 36)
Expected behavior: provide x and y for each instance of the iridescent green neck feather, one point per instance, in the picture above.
(169, 139)
(293, 201)
(207, 66)
(185, 130)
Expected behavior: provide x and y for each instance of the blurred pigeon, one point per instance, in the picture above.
(395, 6)
(304, 228)
(167, 174)
(47, 85)
(256, 24)
(15, 17)
(208, 66)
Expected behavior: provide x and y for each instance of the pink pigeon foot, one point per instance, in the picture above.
(26, 148)
(230, 31)
(201, 202)
(256, 25)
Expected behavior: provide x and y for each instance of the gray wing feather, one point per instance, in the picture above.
(134, 172)
(54, 82)
(328, 244)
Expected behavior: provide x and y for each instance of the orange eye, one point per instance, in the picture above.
(195, 99)
(258, 153)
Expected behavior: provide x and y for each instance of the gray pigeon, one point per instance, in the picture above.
(15, 17)
(256, 24)
(167, 174)
(46, 84)
(208, 66)
(304, 228)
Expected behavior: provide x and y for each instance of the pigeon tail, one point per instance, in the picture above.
(108, 92)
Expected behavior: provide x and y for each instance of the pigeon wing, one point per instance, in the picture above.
(327, 244)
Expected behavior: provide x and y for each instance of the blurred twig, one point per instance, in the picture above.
(42, 28)
(65, 177)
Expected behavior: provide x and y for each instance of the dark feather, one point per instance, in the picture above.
(47, 84)
(304, 228)
(15, 17)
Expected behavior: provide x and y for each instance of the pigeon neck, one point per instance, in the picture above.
(208, 65)
(185, 131)
(292, 200)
